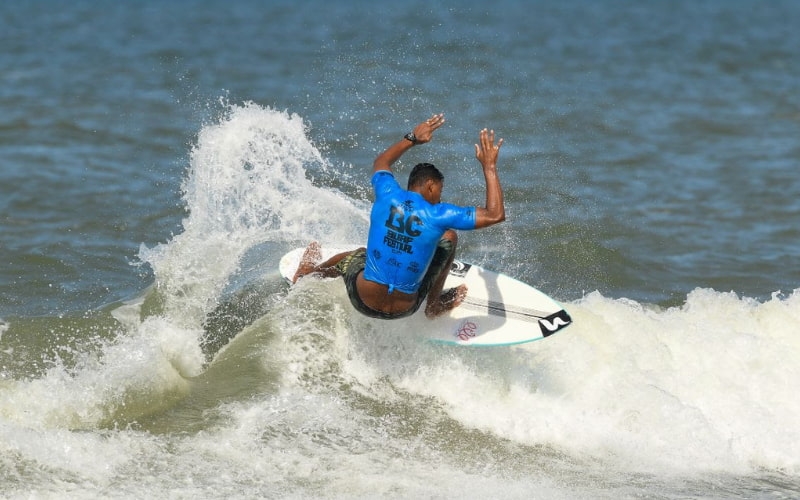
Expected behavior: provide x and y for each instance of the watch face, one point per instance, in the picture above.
(411, 137)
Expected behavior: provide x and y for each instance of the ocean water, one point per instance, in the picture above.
(157, 159)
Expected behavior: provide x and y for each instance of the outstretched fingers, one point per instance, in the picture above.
(435, 121)
(424, 131)
(486, 150)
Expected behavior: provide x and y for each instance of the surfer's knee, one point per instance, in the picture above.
(451, 236)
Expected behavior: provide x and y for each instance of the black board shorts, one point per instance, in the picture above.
(352, 265)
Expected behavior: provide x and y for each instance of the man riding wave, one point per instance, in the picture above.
(412, 238)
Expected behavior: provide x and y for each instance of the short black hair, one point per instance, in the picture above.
(423, 172)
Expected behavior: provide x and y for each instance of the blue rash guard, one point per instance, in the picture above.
(404, 232)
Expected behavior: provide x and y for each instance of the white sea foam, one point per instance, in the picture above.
(710, 385)
(247, 183)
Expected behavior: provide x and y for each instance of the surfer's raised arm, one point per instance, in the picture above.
(411, 245)
(421, 134)
(486, 151)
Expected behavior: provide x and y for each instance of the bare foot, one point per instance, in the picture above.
(448, 300)
(308, 261)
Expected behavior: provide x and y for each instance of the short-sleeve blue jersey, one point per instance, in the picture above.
(404, 232)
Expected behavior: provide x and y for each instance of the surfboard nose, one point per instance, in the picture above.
(555, 322)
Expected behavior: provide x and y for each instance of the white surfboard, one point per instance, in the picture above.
(498, 310)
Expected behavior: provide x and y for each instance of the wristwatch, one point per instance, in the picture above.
(411, 137)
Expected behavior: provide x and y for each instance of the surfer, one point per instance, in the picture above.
(412, 239)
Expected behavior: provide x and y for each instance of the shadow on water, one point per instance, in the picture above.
(250, 294)
(238, 312)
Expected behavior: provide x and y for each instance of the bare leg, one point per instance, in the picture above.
(438, 302)
(309, 263)
(311, 256)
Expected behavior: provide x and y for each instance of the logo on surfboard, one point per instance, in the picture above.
(459, 269)
(555, 322)
(467, 330)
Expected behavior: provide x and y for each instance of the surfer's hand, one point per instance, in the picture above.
(424, 131)
(487, 151)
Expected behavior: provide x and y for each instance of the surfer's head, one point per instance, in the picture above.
(423, 172)
(426, 180)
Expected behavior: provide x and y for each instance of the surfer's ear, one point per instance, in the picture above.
(433, 190)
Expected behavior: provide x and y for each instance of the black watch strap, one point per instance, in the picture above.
(411, 137)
